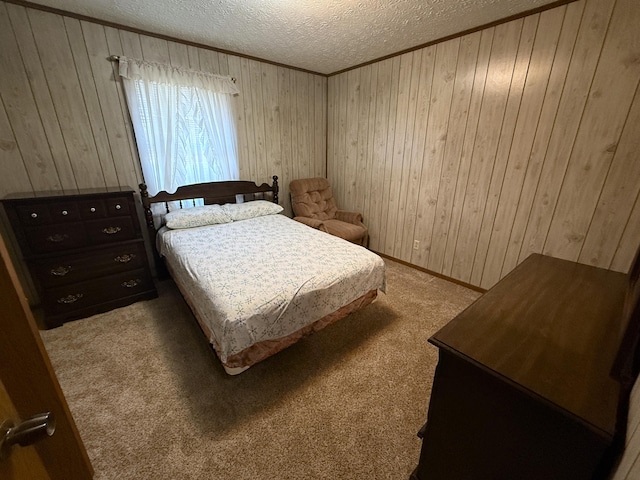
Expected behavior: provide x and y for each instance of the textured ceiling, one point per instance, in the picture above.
(322, 36)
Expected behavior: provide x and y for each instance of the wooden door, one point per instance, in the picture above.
(23, 463)
(28, 386)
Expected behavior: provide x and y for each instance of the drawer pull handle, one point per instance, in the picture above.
(118, 207)
(70, 298)
(60, 271)
(34, 215)
(126, 258)
(131, 283)
(64, 212)
(92, 209)
(111, 230)
(58, 237)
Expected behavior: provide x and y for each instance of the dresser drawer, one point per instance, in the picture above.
(76, 296)
(62, 270)
(90, 209)
(42, 214)
(108, 230)
(62, 212)
(54, 238)
(117, 206)
(34, 214)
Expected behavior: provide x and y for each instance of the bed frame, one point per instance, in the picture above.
(210, 192)
(226, 192)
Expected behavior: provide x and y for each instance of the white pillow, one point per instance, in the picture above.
(196, 217)
(255, 208)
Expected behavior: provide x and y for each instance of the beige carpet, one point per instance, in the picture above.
(151, 400)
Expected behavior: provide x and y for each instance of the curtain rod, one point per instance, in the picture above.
(116, 58)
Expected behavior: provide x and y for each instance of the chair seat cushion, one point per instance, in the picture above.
(345, 230)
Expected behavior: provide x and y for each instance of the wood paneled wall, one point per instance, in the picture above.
(64, 123)
(478, 151)
(469, 155)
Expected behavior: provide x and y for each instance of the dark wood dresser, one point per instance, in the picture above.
(85, 252)
(524, 388)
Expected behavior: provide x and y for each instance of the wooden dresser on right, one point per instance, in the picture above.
(533, 378)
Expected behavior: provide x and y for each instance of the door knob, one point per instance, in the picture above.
(26, 433)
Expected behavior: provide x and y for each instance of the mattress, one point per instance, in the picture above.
(264, 278)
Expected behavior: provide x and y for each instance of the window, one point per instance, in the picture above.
(183, 122)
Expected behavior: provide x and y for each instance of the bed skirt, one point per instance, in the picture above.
(261, 350)
(241, 361)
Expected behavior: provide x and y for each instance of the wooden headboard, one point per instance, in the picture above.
(210, 192)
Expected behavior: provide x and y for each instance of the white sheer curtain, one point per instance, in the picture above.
(183, 122)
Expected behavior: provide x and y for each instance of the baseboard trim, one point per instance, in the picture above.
(435, 274)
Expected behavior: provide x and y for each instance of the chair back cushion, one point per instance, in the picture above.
(313, 198)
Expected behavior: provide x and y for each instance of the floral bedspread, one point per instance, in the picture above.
(266, 277)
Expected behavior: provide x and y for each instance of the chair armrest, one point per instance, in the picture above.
(349, 217)
(312, 222)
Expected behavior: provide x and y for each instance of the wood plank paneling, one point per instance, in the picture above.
(286, 119)
(64, 122)
(257, 119)
(403, 151)
(460, 103)
(435, 142)
(337, 169)
(73, 114)
(512, 111)
(471, 127)
(616, 201)
(42, 96)
(629, 240)
(368, 205)
(305, 145)
(606, 111)
(273, 133)
(155, 49)
(480, 179)
(179, 55)
(577, 83)
(494, 103)
(405, 220)
(22, 111)
(544, 130)
(238, 107)
(525, 144)
(320, 121)
(14, 174)
(98, 129)
(98, 40)
(381, 119)
(411, 186)
(67, 111)
(520, 150)
(349, 194)
(399, 147)
(387, 191)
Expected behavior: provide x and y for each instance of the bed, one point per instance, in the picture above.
(256, 280)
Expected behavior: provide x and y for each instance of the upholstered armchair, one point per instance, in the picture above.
(313, 204)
